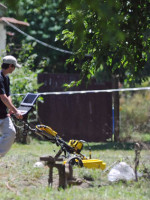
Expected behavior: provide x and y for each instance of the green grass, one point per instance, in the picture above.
(21, 181)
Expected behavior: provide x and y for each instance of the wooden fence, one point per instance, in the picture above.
(76, 116)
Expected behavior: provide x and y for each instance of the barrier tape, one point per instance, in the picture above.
(90, 91)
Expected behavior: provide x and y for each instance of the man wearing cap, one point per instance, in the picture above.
(7, 129)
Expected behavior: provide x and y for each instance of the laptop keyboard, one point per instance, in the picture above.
(24, 108)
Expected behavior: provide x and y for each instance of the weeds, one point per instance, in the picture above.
(135, 115)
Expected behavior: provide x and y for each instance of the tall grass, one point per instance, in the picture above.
(135, 113)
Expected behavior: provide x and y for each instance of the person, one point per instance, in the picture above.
(7, 129)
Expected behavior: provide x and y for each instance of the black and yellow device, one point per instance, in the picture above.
(72, 149)
(76, 144)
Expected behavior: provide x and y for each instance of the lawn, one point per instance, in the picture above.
(21, 181)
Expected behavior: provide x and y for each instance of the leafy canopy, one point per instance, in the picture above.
(115, 33)
(45, 23)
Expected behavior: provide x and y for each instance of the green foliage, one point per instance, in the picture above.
(24, 79)
(45, 23)
(114, 33)
(13, 4)
(71, 84)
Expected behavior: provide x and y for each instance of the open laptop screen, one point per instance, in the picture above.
(29, 99)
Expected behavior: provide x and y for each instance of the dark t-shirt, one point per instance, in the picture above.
(4, 89)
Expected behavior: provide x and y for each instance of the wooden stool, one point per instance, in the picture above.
(65, 171)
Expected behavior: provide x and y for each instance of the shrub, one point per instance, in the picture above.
(24, 80)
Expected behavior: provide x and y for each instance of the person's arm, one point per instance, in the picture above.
(7, 101)
(10, 111)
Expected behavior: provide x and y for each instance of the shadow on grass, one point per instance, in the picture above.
(111, 145)
(116, 145)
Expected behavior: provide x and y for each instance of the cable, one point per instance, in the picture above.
(40, 42)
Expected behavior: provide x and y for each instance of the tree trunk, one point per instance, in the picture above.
(116, 109)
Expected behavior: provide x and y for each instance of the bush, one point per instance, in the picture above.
(24, 80)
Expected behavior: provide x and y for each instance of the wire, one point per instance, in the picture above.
(40, 42)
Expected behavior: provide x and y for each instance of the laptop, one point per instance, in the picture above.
(27, 103)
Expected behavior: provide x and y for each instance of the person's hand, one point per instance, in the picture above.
(10, 113)
(18, 115)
